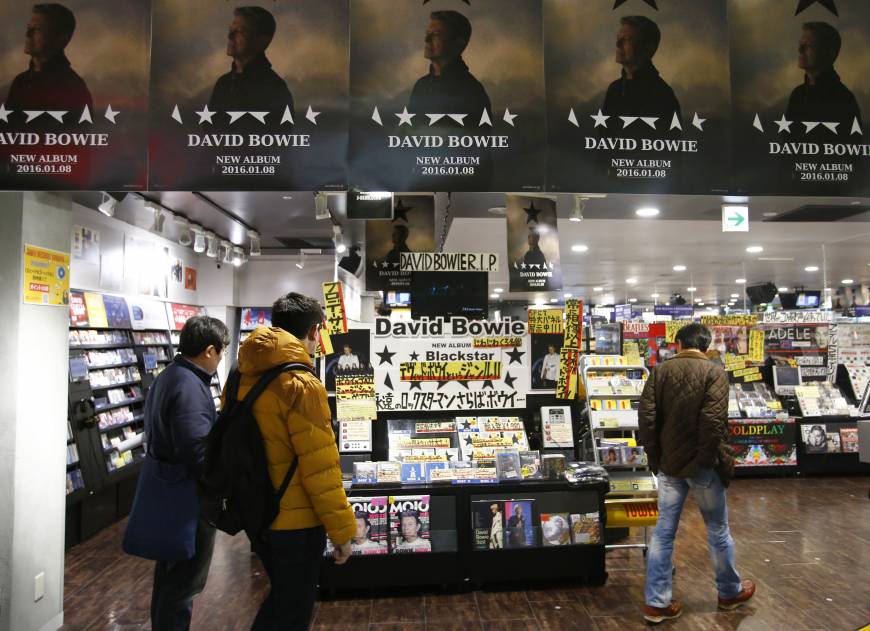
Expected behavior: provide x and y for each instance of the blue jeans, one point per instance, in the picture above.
(710, 496)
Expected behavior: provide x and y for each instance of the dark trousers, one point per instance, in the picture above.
(177, 582)
(292, 560)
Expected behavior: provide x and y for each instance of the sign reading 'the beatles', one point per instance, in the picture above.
(447, 95)
(411, 230)
(799, 89)
(73, 95)
(533, 244)
(249, 97)
(649, 113)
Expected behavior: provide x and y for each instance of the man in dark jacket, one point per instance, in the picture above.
(251, 84)
(683, 424)
(179, 413)
(49, 83)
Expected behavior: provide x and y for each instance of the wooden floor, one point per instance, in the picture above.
(806, 542)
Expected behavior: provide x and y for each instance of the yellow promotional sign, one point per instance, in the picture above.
(573, 324)
(566, 386)
(631, 351)
(96, 310)
(450, 371)
(632, 514)
(355, 396)
(497, 342)
(412, 443)
(672, 327)
(545, 321)
(730, 320)
(46, 276)
(324, 344)
(333, 300)
(756, 346)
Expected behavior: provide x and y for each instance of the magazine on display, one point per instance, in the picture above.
(371, 525)
(409, 524)
(488, 522)
(585, 528)
(555, 529)
(519, 527)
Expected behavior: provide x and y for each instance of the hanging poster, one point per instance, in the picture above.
(412, 229)
(533, 244)
(648, 113)
(545, 321)
(180, 314)
(86, 245)
(333, 305)
(249, 97)
(352, 353)
(800, 88)
(806, 344)
(73, 95)
(419, 365)
(442, 99)
(252, 317)
(46, 276)
(545, 360)
(190, 278)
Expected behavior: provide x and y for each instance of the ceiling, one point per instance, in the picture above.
(621, 245)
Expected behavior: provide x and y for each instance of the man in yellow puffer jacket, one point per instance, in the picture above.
(295, 422)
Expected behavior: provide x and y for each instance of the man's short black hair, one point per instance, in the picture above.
(647, 30)
(411, 513)
(59, 16)
(361, 514)
(199, 333)
(456, 23)
(828, 38)
(695, 336)
(296, 314)
(261, 19)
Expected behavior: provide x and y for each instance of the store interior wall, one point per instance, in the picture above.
(34, 351)
(263, 279)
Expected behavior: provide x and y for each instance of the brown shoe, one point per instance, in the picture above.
(660, 614)
(745, 594)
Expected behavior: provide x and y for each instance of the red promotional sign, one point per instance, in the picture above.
(78, 313)
(182, 313)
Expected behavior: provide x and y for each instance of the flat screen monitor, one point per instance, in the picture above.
(450, 295)
(809, 299)
(398, 299)
(785, 378)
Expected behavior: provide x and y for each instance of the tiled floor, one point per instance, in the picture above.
(806, 542)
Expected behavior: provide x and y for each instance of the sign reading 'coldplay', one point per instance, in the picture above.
(443, 98)
(533, 244)
(249, 98)
(73, 95)
(411, 230)
(799, 90)
(636, 99)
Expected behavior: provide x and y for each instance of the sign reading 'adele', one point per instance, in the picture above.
(443, 98)
(649, 113)
(72, 98)
(799, 90)
(249, 97)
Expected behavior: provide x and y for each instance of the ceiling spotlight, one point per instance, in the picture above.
(108, 204)
(577, 211)
(287, 197)
(321, 207)
(301, 262)
(632, 300)
(811, 268)
(770, 214)
(493, 296)
(554, 300)
(182, 226)
(754, 249)
(598, 289)
(847, 281)
(227, 249)
(699, 300)
(498, 290)
(631, 280)
(238, 256)
(159, 216)
(654, 296)
(700, 304)
(211, 245)
(254, 237)
(781, 290)
(198, 238)
(497, 210)
(338, 240)
(691, 289)
(579, 247)
(567, 295)
(539, 302)
(648, 211)
(679, 268)
(740, 281)
(735, 296)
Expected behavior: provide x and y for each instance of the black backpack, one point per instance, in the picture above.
(236, 492)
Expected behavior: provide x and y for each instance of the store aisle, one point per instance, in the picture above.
(806, 542)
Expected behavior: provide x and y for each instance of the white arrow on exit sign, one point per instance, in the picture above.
(735, 218)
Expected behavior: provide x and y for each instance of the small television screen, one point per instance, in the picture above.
(150, 361)
(450, 295)
(788, 376)
(398, 299)
(78, 368)
(809, 299)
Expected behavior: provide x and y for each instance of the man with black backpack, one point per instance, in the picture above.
(294, 421)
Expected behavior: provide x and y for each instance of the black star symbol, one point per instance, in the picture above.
(516, 355)
(464, 384)
(415, 356)
(400, 211)
(416, 384)
(651, 3)
(466, 424)
(468, 441)
(388, 383)
(516, 439)
(450, 456)
(441, 384)
(386, 356)
(488, 384)
(828, 4)
(532, 213)
(510, 380)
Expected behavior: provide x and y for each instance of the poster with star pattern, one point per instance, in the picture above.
(74, 95)
(533, 244)
(800, 95)
(447, 95)
(249, 97)
(473, 378)
(412, 229)
(638, 95)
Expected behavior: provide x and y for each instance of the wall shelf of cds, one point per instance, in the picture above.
(613, 388)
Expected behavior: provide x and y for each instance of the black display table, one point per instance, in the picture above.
(454, 562)
(833, 462)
